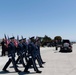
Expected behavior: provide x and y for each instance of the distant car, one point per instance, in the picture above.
(66, 46)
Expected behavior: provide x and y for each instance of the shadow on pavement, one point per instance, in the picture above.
(21, 73)
(65, 52)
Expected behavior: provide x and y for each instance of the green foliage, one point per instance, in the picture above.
(58, 38)
(45, 40)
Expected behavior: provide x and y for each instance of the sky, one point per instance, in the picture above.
(38, 18)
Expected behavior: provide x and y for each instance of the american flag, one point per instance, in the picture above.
(6, 40)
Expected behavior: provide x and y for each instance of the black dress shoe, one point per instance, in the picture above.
(41, 67)
(5, 70)
(38, 71)
(43, 62)
(26, 71)
(18, 71)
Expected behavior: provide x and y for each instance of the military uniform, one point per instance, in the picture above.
(20, 53)
(25, 50)
(11, 55)
(38, 57)
(31, 53)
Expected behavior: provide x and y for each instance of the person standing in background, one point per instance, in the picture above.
(3, 47)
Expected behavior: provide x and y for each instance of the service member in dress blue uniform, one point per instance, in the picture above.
(25, 50)
(38, 55)
(38, 50)
(20, 52)
(31, 52)
(11, 55)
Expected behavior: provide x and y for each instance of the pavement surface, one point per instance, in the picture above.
(56, 63)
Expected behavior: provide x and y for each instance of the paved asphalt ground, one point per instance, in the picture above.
(56, 63)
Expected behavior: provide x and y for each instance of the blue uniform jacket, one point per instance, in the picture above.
(20, 49)
(11, 49)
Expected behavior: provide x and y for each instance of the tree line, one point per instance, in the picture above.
(48, 41)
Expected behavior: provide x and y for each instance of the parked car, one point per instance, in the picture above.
(66, 46)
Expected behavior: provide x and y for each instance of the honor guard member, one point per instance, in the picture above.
(20, 53)
(11, 55)
(31, 51)
(25, 49)
(38, 49)
(38, 55)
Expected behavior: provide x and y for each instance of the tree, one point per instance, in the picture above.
(58, 38)
(46, 40)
